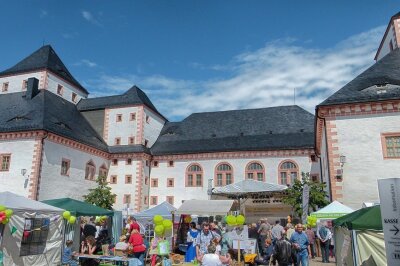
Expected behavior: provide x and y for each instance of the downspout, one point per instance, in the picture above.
(40, 165)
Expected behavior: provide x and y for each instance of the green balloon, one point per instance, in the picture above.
(72, 219)
(2, 208)
(167, 224)
(8, 213)
(159, 230)
(66, 215)
(240, 219)
(231, 220)
(158, 219)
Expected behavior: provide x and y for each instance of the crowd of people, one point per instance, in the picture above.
(289, 245)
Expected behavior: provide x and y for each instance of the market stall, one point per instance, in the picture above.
(359, 238)
(332, 211)
(33, 234)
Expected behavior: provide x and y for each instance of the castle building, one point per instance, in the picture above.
(55, 141)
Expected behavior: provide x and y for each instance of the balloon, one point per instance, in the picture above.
(8, 213)
(72, 219)
(26, 234)
(159, 230)
(2, 214)
(104, 217)
(66, 215)
(240, 219)
(231, 220)
(2, 218)
(2, 208)
(167, 224)
(188, 219)
(158, 219)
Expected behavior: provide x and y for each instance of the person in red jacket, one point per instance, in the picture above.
(138, 247)
(134, 225)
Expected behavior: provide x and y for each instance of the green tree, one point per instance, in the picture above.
(101, 195)
(294, 195)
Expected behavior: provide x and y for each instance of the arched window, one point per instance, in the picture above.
(223, 175)
(194, 176)
(288, 172)
(256, 171)
(103, 170)
(90, 170)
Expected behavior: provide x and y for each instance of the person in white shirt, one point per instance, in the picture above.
(122, 245)
(211, 259)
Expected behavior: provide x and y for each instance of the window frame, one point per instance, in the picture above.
(132, 116)
(2, 156)
(154, 182)
(288, 172)
(114, 162)
(173, 182)
(5, 86)
(68, 167)
(103, 169)
(118, 118)
(194, 175)
(152, 198)
(112, 177)
(384, 144)
(60, 89)
(168, 198)
(74, 97)
(128, 161)
(131, 140)
(223, 174)
(24, 85)
(90, 170)
(117, 141)
(255, 172)
(127, 177)
(125, 199)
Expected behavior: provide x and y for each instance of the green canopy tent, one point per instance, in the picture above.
(78, 208)
(359, 238)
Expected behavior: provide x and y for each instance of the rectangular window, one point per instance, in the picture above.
(392, 145)
(65, 165)
(391, 45)
(154, 200)
(170, 200)
(228, 179)
(90, 171)
(113, 179)
(132, 116)
(155, 163)
(170, 182)
(314, 178)
(146, 143)
(154, 182)
(74, 97)
(284, 180)
(34, 236)
(147, 119)
(5, 87)
(119, 118)
(190, 180)
(24, 85)
(131, 140)
(5, 162)
(260, 176)
(249, 175)
(219, 179)
(128, 179)
(129, 161)
(102, 171)
(146, 200)
(146, 180)
(117, 141)
(127, 198)
(60, 89)
(115, 162)
(199, 180)
(293, 177)
(147, 162)
(171, 163)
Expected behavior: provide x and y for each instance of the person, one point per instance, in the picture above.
(134, 225)
(264, 232)
(204, 239)
(122, 245)
(324, 236)
(311, 238)
(283, 252)
(90, 228)
(153, 250)
(289, 231)
(191, 242)
(89, 247)
(138, 247)
(226, 244)
(276, 231)
(264, 260)
(253, 231)
(68, 255)
(210, 258)
(214, 228)
(215, 242)
(300, 242)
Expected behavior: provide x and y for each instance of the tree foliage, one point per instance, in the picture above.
(294, 195)
(101, 195)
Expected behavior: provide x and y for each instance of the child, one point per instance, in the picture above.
(67, 257)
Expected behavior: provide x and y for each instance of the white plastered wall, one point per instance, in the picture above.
(124, 129)
(390, 37)
(68, 89)
(359, 139)
(15, 81)
(22, 151)
(153, 128)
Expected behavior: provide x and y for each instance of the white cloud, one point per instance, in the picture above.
(261, 78)
(85, 62)
(43, 13)
(89, 17)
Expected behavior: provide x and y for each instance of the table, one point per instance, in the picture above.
(130, 261)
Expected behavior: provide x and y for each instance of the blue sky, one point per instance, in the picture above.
(195, 56)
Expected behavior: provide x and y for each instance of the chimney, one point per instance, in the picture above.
(33, 88)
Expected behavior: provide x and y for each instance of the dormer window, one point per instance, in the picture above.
(146, 143)
(24, 85)
(132, 117)
(147, 119)
(5, 87)
(60, 90)
(74, 97)
(119, 118)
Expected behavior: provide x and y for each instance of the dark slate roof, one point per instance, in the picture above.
(47, 111)
(44, 58)
(128, 149)
(362, 88)
(284, 127)
(133, 96)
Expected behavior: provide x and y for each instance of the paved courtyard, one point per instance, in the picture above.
(318, 262)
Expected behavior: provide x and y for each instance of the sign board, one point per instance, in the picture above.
(306, 197)
(249, 245)
(389, 194)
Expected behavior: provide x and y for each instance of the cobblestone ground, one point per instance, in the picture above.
(318, 262)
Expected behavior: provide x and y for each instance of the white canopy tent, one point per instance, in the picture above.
(248, 186)
(205, 207)
(332, 211)
(37, 220)
(145, 217)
